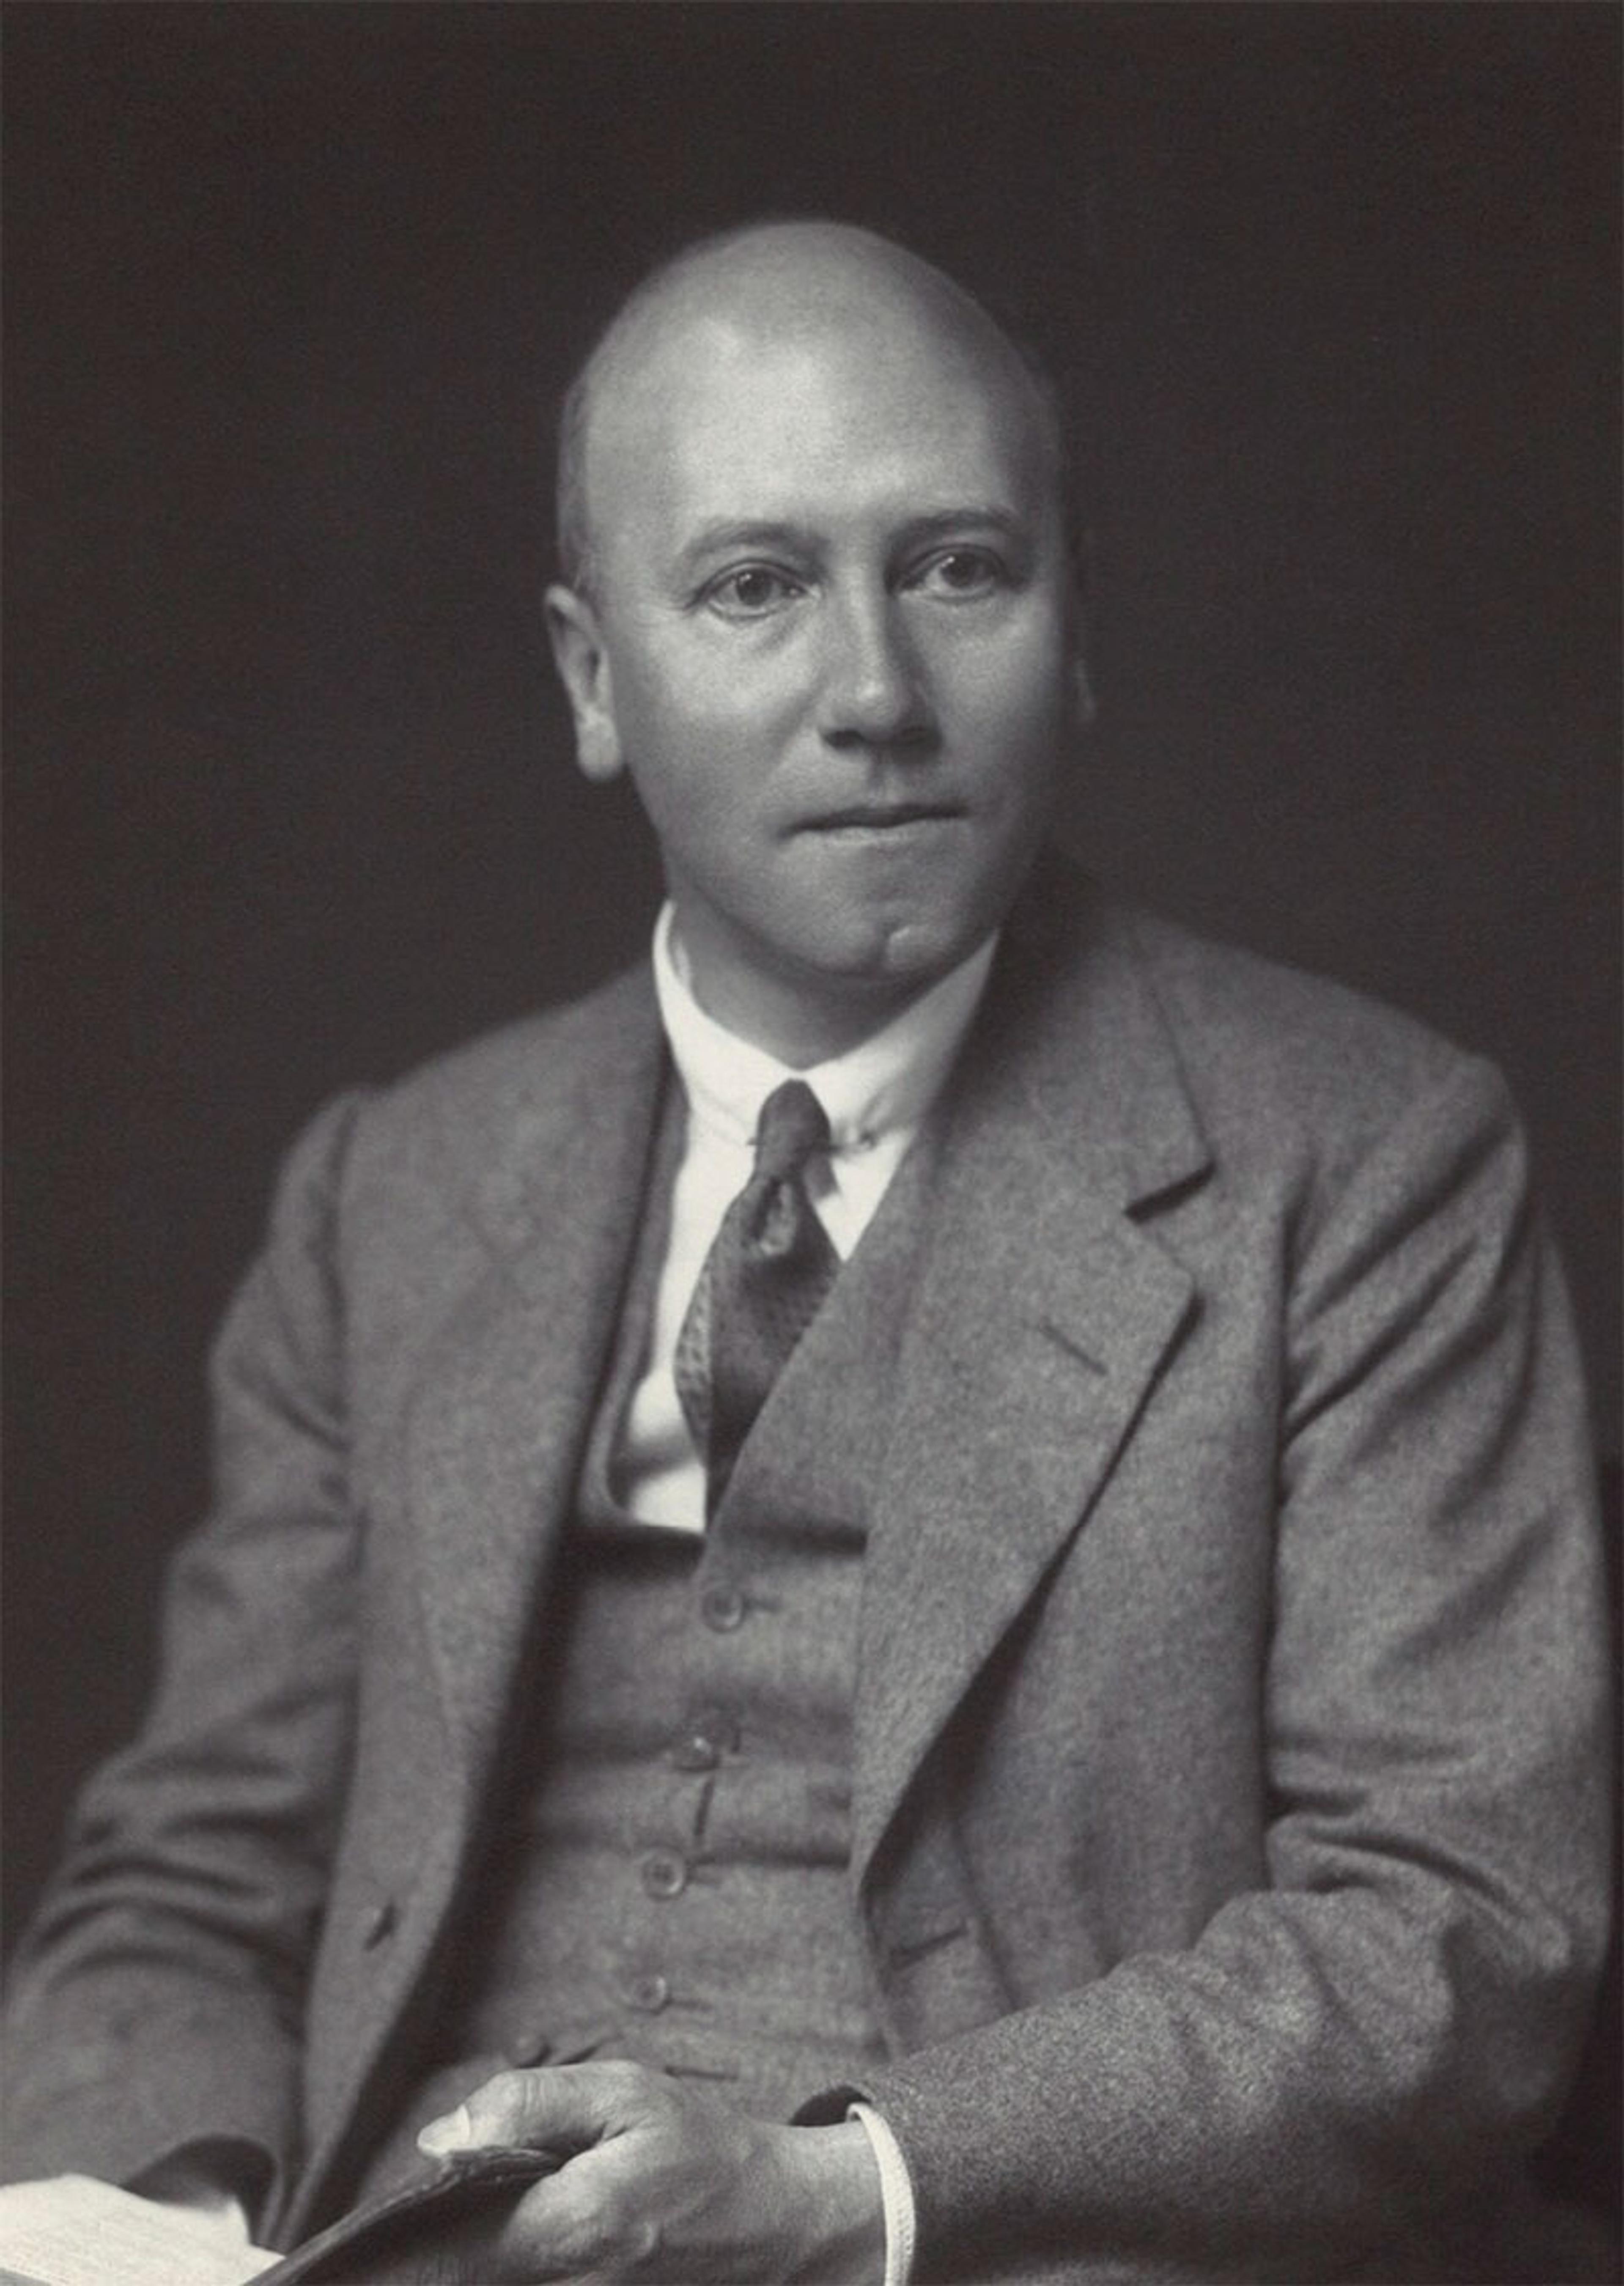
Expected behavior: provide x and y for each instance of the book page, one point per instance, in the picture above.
(72, 2231)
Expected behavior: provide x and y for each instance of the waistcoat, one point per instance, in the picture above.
(667, 1879)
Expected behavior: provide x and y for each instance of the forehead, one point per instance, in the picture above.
(839, 403)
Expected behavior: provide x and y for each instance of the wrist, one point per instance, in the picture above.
(839, 2229)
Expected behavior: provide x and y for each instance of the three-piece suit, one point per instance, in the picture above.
(1227, 1796)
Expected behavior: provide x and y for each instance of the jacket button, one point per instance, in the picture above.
(664, 1873)
(723, 1609)
(648, 1993)
(379, 1923)
(529, 2049)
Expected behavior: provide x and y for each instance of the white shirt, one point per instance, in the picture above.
(874, 1097)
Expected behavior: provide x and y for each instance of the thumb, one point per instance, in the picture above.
(564, 2108)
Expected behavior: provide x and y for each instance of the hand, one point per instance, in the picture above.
(665, 2183)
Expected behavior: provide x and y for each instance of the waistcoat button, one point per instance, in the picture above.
(722, 1608)
(664, 1873)
(710, 1734)
(695, 1751)
(649, 1993)
(379, 1923)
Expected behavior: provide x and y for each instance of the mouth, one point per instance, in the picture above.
(883, 816)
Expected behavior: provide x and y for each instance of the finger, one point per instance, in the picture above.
(563, 2106)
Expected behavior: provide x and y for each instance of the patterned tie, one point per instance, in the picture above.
(769, 1266)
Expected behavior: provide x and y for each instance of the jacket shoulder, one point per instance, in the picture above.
(496, 1063)
(1280, 1070)
(426, 1138)
(519, 1066)
(1242, 1019)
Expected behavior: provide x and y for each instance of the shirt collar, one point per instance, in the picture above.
(888, 1082)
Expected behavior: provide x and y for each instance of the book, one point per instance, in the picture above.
(75, 2231)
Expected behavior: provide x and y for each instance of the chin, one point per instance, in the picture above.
(907, 955)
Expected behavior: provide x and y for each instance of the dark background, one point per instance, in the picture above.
(290, 294)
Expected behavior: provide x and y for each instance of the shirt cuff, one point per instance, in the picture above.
(896, 2194)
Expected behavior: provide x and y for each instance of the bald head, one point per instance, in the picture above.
(775, 285)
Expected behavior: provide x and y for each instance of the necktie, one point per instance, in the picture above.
(769, 1266)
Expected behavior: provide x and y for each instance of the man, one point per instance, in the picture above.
(1091, 1715)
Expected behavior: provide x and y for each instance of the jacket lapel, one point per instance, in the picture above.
(505, 1400)
(1044, 1314)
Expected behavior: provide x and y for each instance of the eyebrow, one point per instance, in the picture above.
(944, 522)
(938, 524)
(713, 539)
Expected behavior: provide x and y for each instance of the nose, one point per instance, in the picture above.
(874, 692)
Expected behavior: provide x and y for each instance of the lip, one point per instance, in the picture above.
(883, 817)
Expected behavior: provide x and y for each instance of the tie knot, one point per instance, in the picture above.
(791, 1126)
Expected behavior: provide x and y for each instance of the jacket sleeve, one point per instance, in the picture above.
(158, 1999)
(1385, 2029)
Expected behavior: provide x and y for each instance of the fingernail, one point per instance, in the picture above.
(454, 2133)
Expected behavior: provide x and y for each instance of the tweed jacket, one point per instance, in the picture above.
(1229, 1793)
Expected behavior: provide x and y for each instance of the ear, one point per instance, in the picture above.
(583, 664)
(1081, 690)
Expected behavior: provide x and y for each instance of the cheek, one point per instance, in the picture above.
(703, 706)
(1015, 672)
(1011, 708)
(694, 769)
(704, 751)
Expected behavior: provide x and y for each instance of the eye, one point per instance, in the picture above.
(960, 572)
(752, 592)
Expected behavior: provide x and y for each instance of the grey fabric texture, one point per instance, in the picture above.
(1229, 1790)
